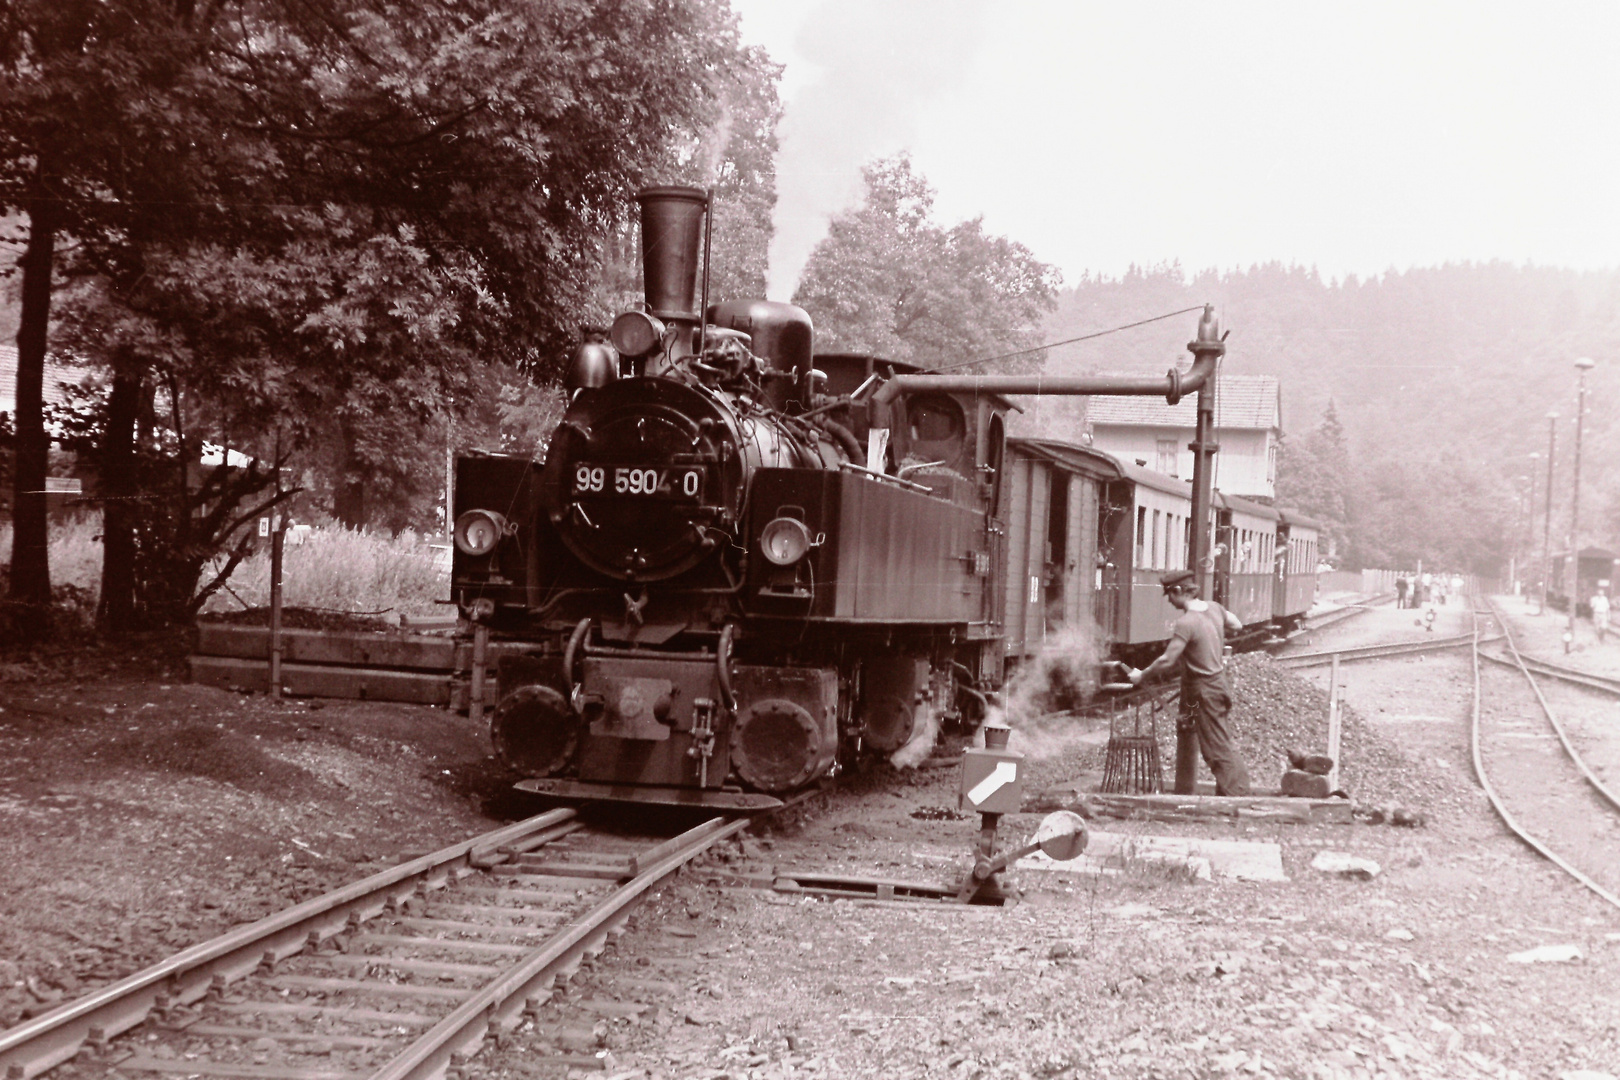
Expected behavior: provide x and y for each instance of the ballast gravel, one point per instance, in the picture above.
(141, 814)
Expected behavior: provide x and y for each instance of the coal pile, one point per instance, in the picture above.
(1276, 711)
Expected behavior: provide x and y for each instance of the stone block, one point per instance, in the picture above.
(1304, 785)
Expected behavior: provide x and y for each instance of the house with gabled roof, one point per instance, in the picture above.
(1248, 428)
(55, 376)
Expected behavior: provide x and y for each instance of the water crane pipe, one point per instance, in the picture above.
(1175, 384)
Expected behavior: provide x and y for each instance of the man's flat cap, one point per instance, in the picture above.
(1178, 577)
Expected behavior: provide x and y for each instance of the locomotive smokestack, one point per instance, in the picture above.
(671, 233)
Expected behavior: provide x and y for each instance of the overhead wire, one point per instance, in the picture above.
(1065, 341)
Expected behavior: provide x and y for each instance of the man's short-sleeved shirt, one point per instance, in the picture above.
(1204, 636)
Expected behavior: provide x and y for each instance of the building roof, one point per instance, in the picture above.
(1241, 401)
(55, 375)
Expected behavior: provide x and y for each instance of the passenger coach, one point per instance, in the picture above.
(1089, 536)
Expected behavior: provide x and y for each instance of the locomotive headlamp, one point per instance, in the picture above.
(478, 531)
(784, 540)
(635, 333)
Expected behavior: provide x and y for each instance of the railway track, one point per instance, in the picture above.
(400, 976)
(1348, 612)
(1561, 672)
(1535, 771)
(1374, 652)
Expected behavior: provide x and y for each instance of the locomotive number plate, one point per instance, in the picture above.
(638, 481)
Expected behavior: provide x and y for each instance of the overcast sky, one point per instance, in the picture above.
(1354, 137)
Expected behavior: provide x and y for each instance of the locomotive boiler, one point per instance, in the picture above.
(742, 563)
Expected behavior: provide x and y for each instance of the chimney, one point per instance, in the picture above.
(671, 235)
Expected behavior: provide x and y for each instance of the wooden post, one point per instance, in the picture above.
(277, 539)
(1333, 724)
(278, 535)
(475, 706)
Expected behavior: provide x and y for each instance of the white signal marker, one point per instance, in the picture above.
(1003, 774)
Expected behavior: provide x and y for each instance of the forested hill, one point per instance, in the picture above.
(1441, 378)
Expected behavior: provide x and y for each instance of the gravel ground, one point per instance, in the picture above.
(145, 814)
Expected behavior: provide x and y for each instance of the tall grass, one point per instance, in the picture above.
(333, 569)
(339, 570)
(74, 546)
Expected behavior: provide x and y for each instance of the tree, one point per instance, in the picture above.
(1314, 476)
(735, 158)
(888, 280)
(315, 222)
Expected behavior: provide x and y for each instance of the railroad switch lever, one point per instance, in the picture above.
(993, 784)
(1060, 836)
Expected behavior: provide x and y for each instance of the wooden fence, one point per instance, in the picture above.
(425, 669)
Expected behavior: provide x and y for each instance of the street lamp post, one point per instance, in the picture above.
(1583, 365)
(1530, 559)
(1546, 523)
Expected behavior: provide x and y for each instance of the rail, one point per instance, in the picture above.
(1573, 676)
(1373, 652)
(1349, 611)
(43, 1042)
(1497, 803)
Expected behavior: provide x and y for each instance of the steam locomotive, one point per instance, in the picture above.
(741, 562)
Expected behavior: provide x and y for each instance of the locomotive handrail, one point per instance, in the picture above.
(576, 647)
(873, 474)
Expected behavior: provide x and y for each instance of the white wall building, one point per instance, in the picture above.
(1248, 425)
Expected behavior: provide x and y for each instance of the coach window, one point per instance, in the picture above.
(1141, 537)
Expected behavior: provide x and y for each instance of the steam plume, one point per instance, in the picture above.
(1038, 698)
(925, 734)
(879, 61)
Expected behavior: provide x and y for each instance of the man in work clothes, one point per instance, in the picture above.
(1197, 645)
